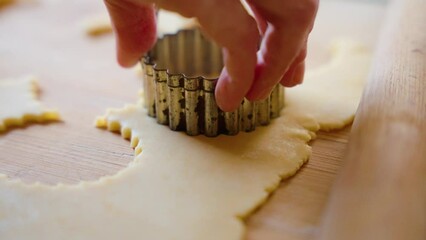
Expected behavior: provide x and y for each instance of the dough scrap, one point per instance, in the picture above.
(19, 104)
(178, 187)
(166, 192)
(97, 25)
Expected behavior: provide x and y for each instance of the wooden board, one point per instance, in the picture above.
(79, 76)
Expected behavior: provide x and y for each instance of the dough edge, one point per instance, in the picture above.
(46, 115)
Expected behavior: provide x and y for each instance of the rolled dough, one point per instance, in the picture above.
(182, 187)
(19, 104)
(330, 93)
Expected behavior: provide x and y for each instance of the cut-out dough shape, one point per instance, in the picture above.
(19, 104)
(179, 187)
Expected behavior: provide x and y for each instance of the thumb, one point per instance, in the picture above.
(135, 28)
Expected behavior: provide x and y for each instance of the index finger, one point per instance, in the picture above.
(229, 24)
(289, 24)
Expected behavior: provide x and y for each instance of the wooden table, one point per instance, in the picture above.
(79, 76)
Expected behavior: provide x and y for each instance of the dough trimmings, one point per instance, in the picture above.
(165, 193)
(179, 186)
(19, 104)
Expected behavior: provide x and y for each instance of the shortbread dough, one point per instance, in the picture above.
(19, 104)
(330, 94)
(183, 187)
(168, 22)
(97, 25)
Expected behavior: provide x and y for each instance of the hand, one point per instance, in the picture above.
(283, 24)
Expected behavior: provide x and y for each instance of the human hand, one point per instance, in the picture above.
(284, 26)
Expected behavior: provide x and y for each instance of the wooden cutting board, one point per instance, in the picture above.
(78, 75)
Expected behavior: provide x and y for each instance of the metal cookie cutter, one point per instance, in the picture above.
(180, 75)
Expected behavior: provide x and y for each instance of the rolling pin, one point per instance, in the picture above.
(380, 192)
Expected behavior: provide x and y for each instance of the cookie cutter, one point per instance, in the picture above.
(179, 80)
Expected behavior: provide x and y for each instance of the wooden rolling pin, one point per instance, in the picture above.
(380, 192)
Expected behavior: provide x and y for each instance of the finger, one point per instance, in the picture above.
(289, 25)
(288, 80)
(262, 24)
(229, 24)
(288, 76)
(296, 76)
(236, 31)
(135, 28)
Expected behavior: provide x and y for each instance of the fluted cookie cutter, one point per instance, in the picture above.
(180, 75)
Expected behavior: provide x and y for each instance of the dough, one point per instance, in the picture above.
(97, 25)
(168, 22)
(18, 103)
(182, 187)
(171, 22)
(330, 94)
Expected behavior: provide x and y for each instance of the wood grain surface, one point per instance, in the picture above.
(79, 76)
